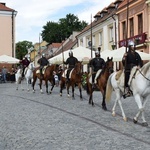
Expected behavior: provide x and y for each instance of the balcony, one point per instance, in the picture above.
(139, 39)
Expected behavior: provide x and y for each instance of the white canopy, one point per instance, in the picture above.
(8, 59)
(118, 54)
(82, 53)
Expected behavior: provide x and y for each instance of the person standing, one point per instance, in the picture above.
(96, 64)
(42, 62)
(129, 60)
(71, 61)
(4, 74)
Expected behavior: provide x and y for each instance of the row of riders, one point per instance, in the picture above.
(100, 73)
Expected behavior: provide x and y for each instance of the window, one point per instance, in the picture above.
(81, 42)
(100, 38)
(111, 34)
(140, 23)
(87, 42)
(93, 40)
(131, 27)
(124, 30)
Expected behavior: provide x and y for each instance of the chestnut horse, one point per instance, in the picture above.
(75, 79)
(48, 76)
(101, 82)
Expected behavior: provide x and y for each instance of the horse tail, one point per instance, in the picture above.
(109, 89)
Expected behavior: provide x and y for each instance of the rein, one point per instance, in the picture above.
(143, 75)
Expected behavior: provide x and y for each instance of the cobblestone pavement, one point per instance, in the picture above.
(35, 121)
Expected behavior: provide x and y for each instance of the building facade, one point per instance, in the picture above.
(7, 30)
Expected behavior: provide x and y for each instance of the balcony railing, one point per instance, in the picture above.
(138, 39)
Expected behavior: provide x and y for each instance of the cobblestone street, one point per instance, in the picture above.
(35, 121)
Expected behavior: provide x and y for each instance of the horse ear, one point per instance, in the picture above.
(111, 58)
(107, 58)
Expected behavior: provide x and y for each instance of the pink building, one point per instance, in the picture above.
(137, 12)
(7, 30)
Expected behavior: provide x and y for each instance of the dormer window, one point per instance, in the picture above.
(117, 2)
(102, 15)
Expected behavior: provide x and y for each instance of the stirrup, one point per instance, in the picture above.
(128, 94)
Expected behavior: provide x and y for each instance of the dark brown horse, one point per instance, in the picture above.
(75, 79)
(48, 76)
(101, 82)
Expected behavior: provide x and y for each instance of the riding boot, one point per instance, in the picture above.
(128, 92)
(41, 75)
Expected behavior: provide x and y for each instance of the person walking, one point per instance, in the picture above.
(95, 64)
(71, 61)
(129, 60)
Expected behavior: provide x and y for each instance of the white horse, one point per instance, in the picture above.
(139, 84)
(18, 78)
(28, 73)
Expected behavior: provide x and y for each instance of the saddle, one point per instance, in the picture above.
(43, 70)
(120, 80)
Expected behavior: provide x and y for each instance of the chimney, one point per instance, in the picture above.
(3, 3)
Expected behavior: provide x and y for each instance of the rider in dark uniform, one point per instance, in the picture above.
(42, 62)
(25, 63)
(96, 64)
(71, 61)
(129, 60)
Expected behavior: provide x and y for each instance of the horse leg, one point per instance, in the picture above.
(46, 84)
(33, 83)
(40, 85)
(103, 102)
(118, 99)
(68, 89)
(80, 90)
(27, 80)
(61, 87)
(141, 110)
(91, 94)
(73, 98)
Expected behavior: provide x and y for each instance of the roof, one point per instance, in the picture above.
(3, 7)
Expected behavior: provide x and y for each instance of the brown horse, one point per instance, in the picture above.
(75, 79)
(101, 82)
(48, 76)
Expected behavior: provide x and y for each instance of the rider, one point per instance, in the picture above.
(129, 60)
(42, 62)
(71, 61)
(96, 64)
(25, 63)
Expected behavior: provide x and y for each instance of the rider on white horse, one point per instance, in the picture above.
(130, 59)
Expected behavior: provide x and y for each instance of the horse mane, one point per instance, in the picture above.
(145, 68)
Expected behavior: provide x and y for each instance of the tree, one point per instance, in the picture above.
(56, 32)
(22, 48)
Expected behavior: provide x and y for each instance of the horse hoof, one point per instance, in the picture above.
(50, 92)
(113, 114)
(104, 107)
(33, 91)
(60, 94)
(144, 124)
(28, 90)
(68, 96)
(125, 119)
(135, 121)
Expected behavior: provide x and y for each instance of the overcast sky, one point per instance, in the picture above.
(32, 15)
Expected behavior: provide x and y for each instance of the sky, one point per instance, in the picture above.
(32, 15)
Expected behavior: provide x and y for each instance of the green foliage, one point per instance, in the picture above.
(22, 48)
(56, 32)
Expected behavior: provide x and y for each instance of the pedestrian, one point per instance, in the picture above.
(129, 60)
(95, 64)
(42, 62)
(71, 61)
(4, 74)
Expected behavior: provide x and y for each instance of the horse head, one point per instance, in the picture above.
(31, 66)
(109, 65)
(78, 67)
